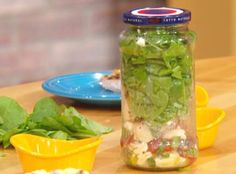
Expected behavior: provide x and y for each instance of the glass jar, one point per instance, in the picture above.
(158, 103)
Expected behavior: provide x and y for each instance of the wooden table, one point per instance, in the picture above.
(217, 75)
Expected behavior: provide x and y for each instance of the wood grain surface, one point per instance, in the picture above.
(217, 75)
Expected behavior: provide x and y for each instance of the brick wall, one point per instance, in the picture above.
(44, 38)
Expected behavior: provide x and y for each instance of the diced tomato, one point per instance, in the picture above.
(168, 148)
(154, 145)
(126, 141)
(191, 159)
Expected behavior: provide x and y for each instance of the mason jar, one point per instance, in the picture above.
(158, 103)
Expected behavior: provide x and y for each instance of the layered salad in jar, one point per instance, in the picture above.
(158, 111)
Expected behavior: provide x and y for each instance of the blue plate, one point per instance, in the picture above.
(84, 87)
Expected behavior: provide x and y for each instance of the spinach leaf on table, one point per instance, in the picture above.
(48, 119)
(45, 107)
(84, 123)
(48, 115)
(6, 137)
(11, 114)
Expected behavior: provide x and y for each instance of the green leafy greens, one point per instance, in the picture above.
(157, 77)
(48, 119)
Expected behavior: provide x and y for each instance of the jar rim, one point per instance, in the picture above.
(157, 16)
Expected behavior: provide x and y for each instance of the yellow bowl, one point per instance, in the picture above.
(37, 152)
(208, 120)
(201, 96)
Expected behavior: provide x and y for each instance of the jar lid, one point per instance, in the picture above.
(157, 16)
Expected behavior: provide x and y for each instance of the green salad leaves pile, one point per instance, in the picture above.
(48, 119)
(157, 77)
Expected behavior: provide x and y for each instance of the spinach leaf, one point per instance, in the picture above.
(45, 107)
(6, 137)
(58, 135)
(157, 76)
(84, 123)
(50, 116)
(11, 114)
(48, 119)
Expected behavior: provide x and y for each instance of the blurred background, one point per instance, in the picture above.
(44, 38)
